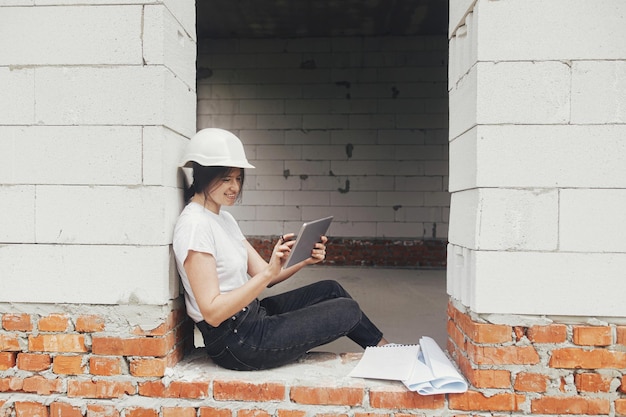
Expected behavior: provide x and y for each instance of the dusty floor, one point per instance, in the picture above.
(404, 303)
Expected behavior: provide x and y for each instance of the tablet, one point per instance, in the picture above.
(310, 234)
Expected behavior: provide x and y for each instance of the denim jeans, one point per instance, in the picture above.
(279, 329)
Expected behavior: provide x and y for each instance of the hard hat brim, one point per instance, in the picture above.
(213, 162)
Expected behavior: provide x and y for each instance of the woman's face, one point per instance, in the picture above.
(225, 190)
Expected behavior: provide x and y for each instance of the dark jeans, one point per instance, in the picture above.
(279, 329)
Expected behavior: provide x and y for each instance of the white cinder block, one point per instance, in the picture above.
(528, 30)
(458, 9)
(17, 205)
(353, 198)
(572, 284)
(165, 42)
(275, 183)
(523, 92)
(263, 198)
(544, 156)
(463, 161)
(278, 152)
(90, 35)
(464, 104)
(399, 198)
(162, 153)
(354, 167)
(18, 96)
(106, 215)
(464, 227)
(261, 107)
(278, 213)
(185, 13)
(100, 155)
(592, 220)
(505, 219)
(418, 184)
(362, 214)
(325, 153)
(264, 228)
(103, 95)
(599, 91)
(88, 274)
(317, 212)
(307, 198)
(307, 167)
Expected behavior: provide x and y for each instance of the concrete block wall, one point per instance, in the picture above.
(536, 156)
(97, 102)
(350, 127)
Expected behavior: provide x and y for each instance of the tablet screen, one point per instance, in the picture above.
(310, 233)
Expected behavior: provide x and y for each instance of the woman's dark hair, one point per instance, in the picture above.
(203, 177)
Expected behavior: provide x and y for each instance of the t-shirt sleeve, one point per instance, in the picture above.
(194, 234)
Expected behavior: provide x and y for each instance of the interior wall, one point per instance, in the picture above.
(350, 127)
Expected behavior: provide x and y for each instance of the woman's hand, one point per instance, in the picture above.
(318, 254)
(281, 252)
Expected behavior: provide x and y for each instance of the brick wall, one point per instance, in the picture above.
(350, 127)
(70, 365)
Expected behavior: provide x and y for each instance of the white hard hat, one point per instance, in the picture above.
(215, 147)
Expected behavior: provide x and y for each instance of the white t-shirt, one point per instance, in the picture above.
(201, 230)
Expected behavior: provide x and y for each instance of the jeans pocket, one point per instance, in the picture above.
(227, 360)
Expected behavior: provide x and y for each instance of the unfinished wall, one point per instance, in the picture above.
(537, 155)
(350, 127)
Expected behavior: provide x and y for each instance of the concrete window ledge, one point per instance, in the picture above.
(317, 384)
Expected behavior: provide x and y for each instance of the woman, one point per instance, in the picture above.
(223, 275)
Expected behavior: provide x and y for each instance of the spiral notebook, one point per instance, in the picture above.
(423, 368)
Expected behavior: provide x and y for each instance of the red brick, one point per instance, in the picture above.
(7, 360)
(288, 413)
(148, 367)
(477, 401)
(572, 358)
(54, 323)
(42, 386)
(399, 398)
(89, 324)
(327, 395)
(17, 322)
(483, 332)
(570, 405)
(57, 343)
(374, 415)
(35, 362)
(99, 389)
(489, 378)
(141, 412)
(30, 409)
(105, 365)
(68, 365)
(176, 389)
(98, 410)
(178, 412)
(11, 384)
(592, 336)
(247, 391)
(223, 412)
(591, 382)
(620, 406)
(621, 335)
(253, 413)
(138, 346)
(9, 343)
(58, 409)
(502, 355)
(531, 382)
(553, 333)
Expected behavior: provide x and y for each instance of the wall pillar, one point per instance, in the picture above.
(97, 104)
(537, 247)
